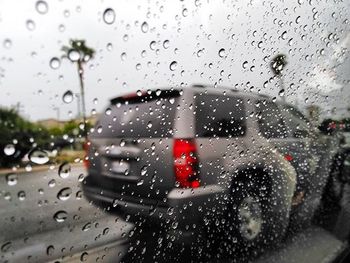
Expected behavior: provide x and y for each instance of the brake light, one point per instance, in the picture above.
(186, 163)
(86, 147)
(288, 157)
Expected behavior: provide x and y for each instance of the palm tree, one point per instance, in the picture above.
(277, 64)
(77, 52)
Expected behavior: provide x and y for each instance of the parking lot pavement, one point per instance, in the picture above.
(30, 233)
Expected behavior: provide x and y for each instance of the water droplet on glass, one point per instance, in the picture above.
(64, 170)
(84, 256)
(222, 53)
(50, 250)
(109, 16)
(87, 226)
(30, 25)
(140, 182)
(139, 93)
(123, 56)
(52, 183)
(11, 179)
(108, 111)
(173, 65)
(55, 63)
(21, 195)
(152, 45)
(68, 97)
(60, 216)
(284, 35)
(144, 27)
(64, 194)
(38, 156)
(109, 47)
(9, 149)
(28, 167)
(41, 7)
(6, 246)
(7, 43)
(281, 93)
(73, 55)
(245, 64)
(99, 129)
(166, 44)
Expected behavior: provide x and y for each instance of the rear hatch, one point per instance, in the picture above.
(131, 146)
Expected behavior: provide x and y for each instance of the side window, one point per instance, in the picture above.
(296, 122)
(219, 116)
(270, 120)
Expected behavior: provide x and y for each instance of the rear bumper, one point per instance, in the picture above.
(183, 212)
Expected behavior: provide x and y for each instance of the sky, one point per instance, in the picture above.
(219, 43)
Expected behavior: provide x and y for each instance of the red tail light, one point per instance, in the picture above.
(186, 163)
(86, 147)
(288, 157)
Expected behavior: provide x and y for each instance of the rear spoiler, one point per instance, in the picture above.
(144, 96)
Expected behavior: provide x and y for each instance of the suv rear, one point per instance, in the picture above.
(195, 157)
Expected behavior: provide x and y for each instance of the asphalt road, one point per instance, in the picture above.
(30, 232)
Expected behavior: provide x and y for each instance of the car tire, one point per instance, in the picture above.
(251, 217)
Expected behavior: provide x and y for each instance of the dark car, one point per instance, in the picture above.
(219, 160)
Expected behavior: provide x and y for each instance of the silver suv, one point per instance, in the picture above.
(219, 160)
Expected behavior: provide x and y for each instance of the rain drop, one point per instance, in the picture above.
(55, 63)
(9, 149)
(109, 47)
(68, 97)
(5, 247)
(108, 111)
(52, 183)
(11, 179)
(60, 216)
(222, 53)
(73, 55)
(38, 156)
(41, 7)
(64, 194)
(87, 226)
(245, 64)
(109, 16)
(30, 25)
(50, 250)
(64, 170)
(144, 27)
(166, 44)
(7, 43)
(21, 195)
(173, 65)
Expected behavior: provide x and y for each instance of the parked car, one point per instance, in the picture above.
(220, 160)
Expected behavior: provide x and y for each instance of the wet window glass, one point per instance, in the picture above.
(219, 116)
(270, 121)
(175, 131)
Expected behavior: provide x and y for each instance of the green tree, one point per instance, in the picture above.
(15, 130)
(78, 52)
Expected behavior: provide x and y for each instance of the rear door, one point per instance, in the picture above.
(280, 131)
(131, 146)
(221, 130)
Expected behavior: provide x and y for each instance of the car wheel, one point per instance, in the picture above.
(251, 216)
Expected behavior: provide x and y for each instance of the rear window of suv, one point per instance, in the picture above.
(219, 116)
(142, 115)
